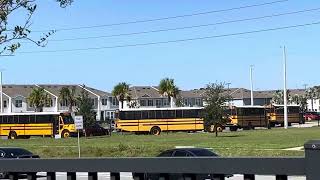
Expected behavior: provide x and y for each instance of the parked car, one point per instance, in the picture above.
(15, 153)
(95, 130)
(312, 116)
(183, 152)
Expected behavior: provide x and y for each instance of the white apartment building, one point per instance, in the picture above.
(15, 99)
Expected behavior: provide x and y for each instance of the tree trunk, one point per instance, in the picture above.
(216, 133)
(121, 104)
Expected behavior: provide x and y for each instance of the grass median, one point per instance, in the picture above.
(270, 143)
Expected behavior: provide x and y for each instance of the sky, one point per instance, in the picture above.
(192, 64)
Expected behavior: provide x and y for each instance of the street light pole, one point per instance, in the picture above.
(285, 88)
(251, 84)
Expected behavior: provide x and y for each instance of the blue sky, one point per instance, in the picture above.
(191, 64)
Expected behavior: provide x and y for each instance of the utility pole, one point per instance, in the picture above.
(251, 84)
(228, 84)
(285, 88)
(305, 86)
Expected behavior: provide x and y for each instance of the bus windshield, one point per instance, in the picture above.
(67, 119)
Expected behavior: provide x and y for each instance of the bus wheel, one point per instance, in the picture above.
(13, 135)
(218, 128)
(65, 134)
(155, 130)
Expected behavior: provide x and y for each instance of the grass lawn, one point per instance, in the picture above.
(242, 143)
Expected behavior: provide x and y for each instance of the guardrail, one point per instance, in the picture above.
(308, 166)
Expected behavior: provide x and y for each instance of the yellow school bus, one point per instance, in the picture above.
(24, 125)
(247, 117)
(157, 120)
(276, 115)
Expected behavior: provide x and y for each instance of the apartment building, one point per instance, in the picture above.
(149, 96)
(15, 99)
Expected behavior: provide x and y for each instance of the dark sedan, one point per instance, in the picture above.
(183, 152)
(15, 153)
(95, 130)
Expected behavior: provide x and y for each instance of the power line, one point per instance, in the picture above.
(173, 41)
(165, 18)
(186, 27)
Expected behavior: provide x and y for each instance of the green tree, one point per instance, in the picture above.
(215, 108)
(121, 92)
(38, 98)
(69, 96)
(168, 88)
(300, 100)
(10, 33)
(85, 108)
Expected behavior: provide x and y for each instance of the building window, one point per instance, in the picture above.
(64, 103)
(165, 102)
(108, 115)
(115, 102)
(104, 102)
(92, 102)
(5, 104)
(193, 101)
(198, 102)
(158, 103)
(50, 103)
(143, 102)
(111, 115)
(150, 102)
(18, 103)
(185, 102)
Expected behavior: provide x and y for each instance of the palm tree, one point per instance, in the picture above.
(169, 89)
(121, 92)
(69, 96)
(312, 93)
(278, 97)
(38, 98)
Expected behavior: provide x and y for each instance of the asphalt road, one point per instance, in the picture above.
(127, 176)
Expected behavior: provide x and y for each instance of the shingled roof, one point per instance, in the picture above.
(14, 90)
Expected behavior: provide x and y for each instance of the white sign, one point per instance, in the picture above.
(78, 122)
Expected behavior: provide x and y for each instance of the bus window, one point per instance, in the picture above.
(137, 115)
(16, 119)
(158, 115)
(169, 114)
(144, 115)
(68, 119)
(179, 114)
(129, 115)
(152, 114)
(10, 119)
(32, 119)
(189, 113)
(24, 119)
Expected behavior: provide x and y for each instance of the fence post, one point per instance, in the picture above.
(13, 176)
(71, 176)
(248, 177)
(51, 176)
(114, 176)
(312, 156)
(92, 176)
(281, 177)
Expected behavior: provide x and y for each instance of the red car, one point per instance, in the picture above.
(311, 116)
